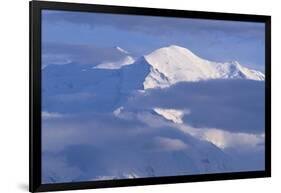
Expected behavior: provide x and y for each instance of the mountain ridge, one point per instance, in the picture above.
(173, 64)
(161, 68)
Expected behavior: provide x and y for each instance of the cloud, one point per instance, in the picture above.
(57, 169)
(75, 97)
(58, 59)
(169, 144)
(232, 105)
(216, 40)
(224, 121)
(154, 25)
(224, 139)
(55, 139)
(219, 111)
(89, 141)
(85, 128)
(218, 136)
(65, 53)
(51, 115)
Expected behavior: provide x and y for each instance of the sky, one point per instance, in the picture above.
(216, 40)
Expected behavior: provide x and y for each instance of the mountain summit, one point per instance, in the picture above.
(172, 64)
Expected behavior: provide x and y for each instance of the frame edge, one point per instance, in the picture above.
(35, 96)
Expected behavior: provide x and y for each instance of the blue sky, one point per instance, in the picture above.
(211, 39)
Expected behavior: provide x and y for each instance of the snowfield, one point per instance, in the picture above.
(171, 114)
(173, 64)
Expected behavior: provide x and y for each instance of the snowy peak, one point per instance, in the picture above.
(237, 70)
(126, 59)
(173, 64)
(169, 53)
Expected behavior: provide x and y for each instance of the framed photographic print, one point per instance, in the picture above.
(126, 96)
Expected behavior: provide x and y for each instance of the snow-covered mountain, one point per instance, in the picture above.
(148, 126)
(161, 68)
(118, 79)
(173, 64)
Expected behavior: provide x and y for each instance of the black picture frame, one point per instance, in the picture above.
(36, 7)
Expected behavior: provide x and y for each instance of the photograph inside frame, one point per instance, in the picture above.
(130, 96)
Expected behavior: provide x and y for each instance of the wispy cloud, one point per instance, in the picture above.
(57, 169)
(169, 144)
(224, 139)
(65, 53)
(51, 115)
